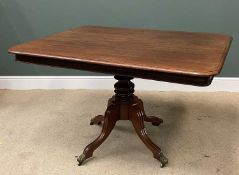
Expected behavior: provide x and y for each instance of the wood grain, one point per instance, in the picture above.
(185, 53)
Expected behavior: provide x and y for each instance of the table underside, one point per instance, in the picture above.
(109, 69)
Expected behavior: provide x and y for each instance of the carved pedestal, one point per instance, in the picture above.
(124, 105)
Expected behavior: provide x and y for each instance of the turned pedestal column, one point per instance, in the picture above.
(124, 105)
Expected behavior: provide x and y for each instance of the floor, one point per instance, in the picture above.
(41, 132)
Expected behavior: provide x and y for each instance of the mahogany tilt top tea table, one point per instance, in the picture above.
(179, 57)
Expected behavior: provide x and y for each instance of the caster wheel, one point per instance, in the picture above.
(163, 160)
(81, 159)
(93, 123)
(155, 124)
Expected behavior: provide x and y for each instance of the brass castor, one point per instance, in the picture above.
(163, 160)
(81, 159)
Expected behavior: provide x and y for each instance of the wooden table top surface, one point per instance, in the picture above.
(186, 53)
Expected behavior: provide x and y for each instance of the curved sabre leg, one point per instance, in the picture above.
(137, 118)
(111, 116)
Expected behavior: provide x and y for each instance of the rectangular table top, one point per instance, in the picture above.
(145, 51)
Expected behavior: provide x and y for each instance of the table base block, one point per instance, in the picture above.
(124, 105)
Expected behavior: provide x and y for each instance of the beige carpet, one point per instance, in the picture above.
(42, 131)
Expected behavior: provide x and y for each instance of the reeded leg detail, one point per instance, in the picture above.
(137, 118)
(156, 121)
(99, 119)
(111, 116)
